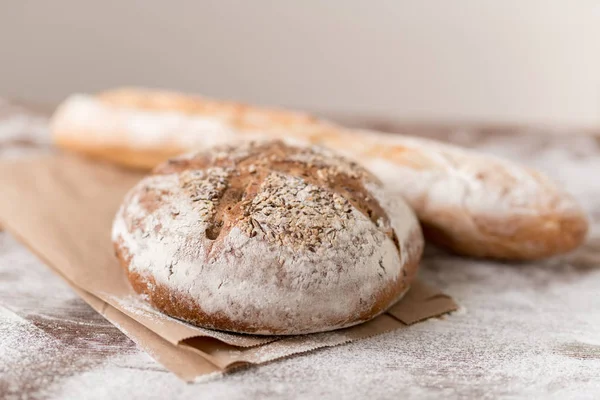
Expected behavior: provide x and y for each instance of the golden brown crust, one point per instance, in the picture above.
(530, 239)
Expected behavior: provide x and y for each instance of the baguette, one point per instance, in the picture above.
(473, 204)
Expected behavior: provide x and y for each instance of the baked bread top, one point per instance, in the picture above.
(267, 238)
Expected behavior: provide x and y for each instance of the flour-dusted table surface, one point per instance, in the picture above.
(523, 331)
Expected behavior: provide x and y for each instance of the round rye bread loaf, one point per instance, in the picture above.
(267, 238)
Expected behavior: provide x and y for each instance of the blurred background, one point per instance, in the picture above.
(525, 62)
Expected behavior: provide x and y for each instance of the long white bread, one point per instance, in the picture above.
(474, 204)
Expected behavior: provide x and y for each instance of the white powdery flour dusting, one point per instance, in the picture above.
(136, 128)
(14, 330)
(25, 350)
(457, 178)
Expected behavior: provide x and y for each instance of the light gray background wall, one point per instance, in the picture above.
(507, 61)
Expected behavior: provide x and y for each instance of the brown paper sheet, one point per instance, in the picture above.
(62, 207)
(184, 362)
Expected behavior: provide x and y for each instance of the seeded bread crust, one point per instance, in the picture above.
(267, 238)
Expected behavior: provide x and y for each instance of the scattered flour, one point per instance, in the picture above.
(527, 330)
(20, 132)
